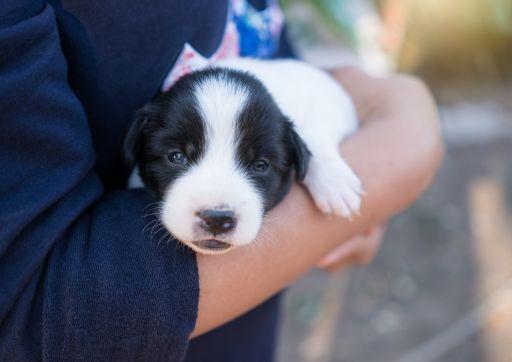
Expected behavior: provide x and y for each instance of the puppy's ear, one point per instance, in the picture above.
(132, 141)
(298, 151)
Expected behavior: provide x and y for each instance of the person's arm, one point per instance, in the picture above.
(79, 276)
(396, 154)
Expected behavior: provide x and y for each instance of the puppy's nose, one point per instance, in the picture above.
(217, 221)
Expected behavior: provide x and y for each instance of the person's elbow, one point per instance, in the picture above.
(422, 129)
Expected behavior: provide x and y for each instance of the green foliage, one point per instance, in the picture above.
(501, 16)
(335, 15)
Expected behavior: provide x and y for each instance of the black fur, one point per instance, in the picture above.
(172, 121)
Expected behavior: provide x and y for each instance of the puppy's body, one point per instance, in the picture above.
(218, 149)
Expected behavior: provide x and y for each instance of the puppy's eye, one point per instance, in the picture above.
(178, 158)
(260, 166)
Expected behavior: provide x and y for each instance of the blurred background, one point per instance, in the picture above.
(441, 287)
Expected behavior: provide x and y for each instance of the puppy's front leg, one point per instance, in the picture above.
(333, 185)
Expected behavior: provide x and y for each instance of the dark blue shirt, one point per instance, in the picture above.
(80, 275)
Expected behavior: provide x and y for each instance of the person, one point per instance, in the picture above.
(80, 275)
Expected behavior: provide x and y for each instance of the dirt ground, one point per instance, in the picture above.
(441, 287)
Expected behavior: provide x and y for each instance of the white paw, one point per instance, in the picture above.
(333, 185)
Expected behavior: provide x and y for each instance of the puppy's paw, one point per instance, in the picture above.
(333, 185)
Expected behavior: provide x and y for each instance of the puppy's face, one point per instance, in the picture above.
(218, 153)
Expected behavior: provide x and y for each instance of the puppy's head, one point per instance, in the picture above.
(219, 153)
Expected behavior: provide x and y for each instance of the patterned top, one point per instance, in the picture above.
(248, 33)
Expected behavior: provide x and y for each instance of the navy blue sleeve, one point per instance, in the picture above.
(79, 276)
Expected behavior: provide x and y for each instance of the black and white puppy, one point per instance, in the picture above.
(219, 149)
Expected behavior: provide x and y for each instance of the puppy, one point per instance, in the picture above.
(220, 148)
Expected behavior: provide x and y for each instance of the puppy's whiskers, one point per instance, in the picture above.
(157, 227)
(269, 219)
(153, 205)
(150, 224)
(263, 240)
(163, 238)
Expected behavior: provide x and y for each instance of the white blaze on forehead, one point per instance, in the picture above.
(215, 180)
(220, 102)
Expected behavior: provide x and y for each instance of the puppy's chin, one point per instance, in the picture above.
(210, 246)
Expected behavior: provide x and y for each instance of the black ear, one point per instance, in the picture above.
(299, 153)
(132, 141)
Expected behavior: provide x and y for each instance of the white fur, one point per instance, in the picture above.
(324, 115)
(215, 182)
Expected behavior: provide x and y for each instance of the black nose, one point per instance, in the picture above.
(217, 221)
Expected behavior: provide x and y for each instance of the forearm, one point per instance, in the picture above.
(395, 154)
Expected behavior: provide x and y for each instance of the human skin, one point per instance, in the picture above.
(359, 249)
(396, 153)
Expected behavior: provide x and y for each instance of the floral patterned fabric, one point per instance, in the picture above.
(249, 32)
(259, 30)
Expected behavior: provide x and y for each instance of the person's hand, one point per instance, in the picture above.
(360, 249)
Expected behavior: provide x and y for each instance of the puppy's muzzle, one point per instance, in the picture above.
(215, 223)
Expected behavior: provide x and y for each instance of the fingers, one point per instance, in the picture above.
(358, 250)
(339, 257)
